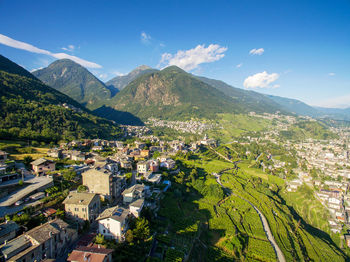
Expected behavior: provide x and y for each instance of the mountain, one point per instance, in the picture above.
(255, 101)
(296, 106)
(117, 83)
(75, 81)
(29, 109)
(301, 108)
(174, 94)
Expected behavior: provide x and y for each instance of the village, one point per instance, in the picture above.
(105, 186)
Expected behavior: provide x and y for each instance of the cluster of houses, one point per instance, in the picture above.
(192, 126)
(108, 199)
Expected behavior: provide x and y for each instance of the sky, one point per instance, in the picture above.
(291, 48)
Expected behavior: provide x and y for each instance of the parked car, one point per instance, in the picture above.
(18, 203)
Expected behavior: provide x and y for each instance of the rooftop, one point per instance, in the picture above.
(117, 213)
(83, 254)
(79, 198)
(6, 228)
(138, 203)
(40, 161)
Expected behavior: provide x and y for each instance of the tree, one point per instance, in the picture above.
(20, 182)
(27, 160)
(69, 174)
(141, 230)
(60, 213)
(82, 188)
(129, 236)
(100, 239)
(156, 154)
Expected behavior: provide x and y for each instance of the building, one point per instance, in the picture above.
(153, 165)
(112, 223)
(86, 254)
(168, 164)
(347, 239)
(133, 193)
(142, 167)
(8, 231)
(41, 166)
(100, 180)
(77, 156)
(82, 206)
(145, 153)
(135, 207)
(3, 157)
(46, 241)
(55, 153)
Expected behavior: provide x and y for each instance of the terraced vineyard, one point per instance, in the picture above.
(206, 225)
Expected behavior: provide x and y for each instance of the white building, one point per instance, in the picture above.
(113, 223)
(136, 207)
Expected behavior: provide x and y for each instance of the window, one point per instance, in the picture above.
(104, 231)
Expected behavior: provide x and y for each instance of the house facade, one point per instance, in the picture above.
(82, 206)
(100, 181)
(113, 223)
(41, 166)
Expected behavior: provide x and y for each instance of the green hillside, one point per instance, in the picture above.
(296, 106)
(308, 129)
(30, 109)
(75, 81)
(174, 94)
(255, 101)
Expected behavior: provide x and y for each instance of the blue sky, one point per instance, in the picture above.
(296, 49)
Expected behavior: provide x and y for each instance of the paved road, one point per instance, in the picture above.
(266, 227)
(6, 203)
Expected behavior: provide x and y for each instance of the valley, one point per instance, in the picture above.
(189, 168)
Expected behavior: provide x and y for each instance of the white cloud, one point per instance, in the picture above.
(117, 73)
(69, 48)
(331, 74)
(239, 65)
(192, 58)
(145, 38)
(259, 51)
(261, 80)
(30, 48)
(35, 69)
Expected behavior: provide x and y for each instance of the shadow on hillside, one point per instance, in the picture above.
(113, 90)
(121, 117)
(310, 229)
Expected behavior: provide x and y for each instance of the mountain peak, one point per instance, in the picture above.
(173, 69)
(75, 81)
(142, 67)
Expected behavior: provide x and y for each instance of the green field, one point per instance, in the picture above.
(236, 124)
(305, 204)
(208, 225)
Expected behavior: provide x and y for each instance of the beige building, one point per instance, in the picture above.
(133, 193)
(82, 206)
(41, 166)
(47, 241)
(142, 167)
(100, 180)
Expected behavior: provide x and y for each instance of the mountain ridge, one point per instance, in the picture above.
(29, 109)
(75, 81)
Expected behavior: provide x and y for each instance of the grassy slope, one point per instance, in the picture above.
(233, 230)
(237, 124)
